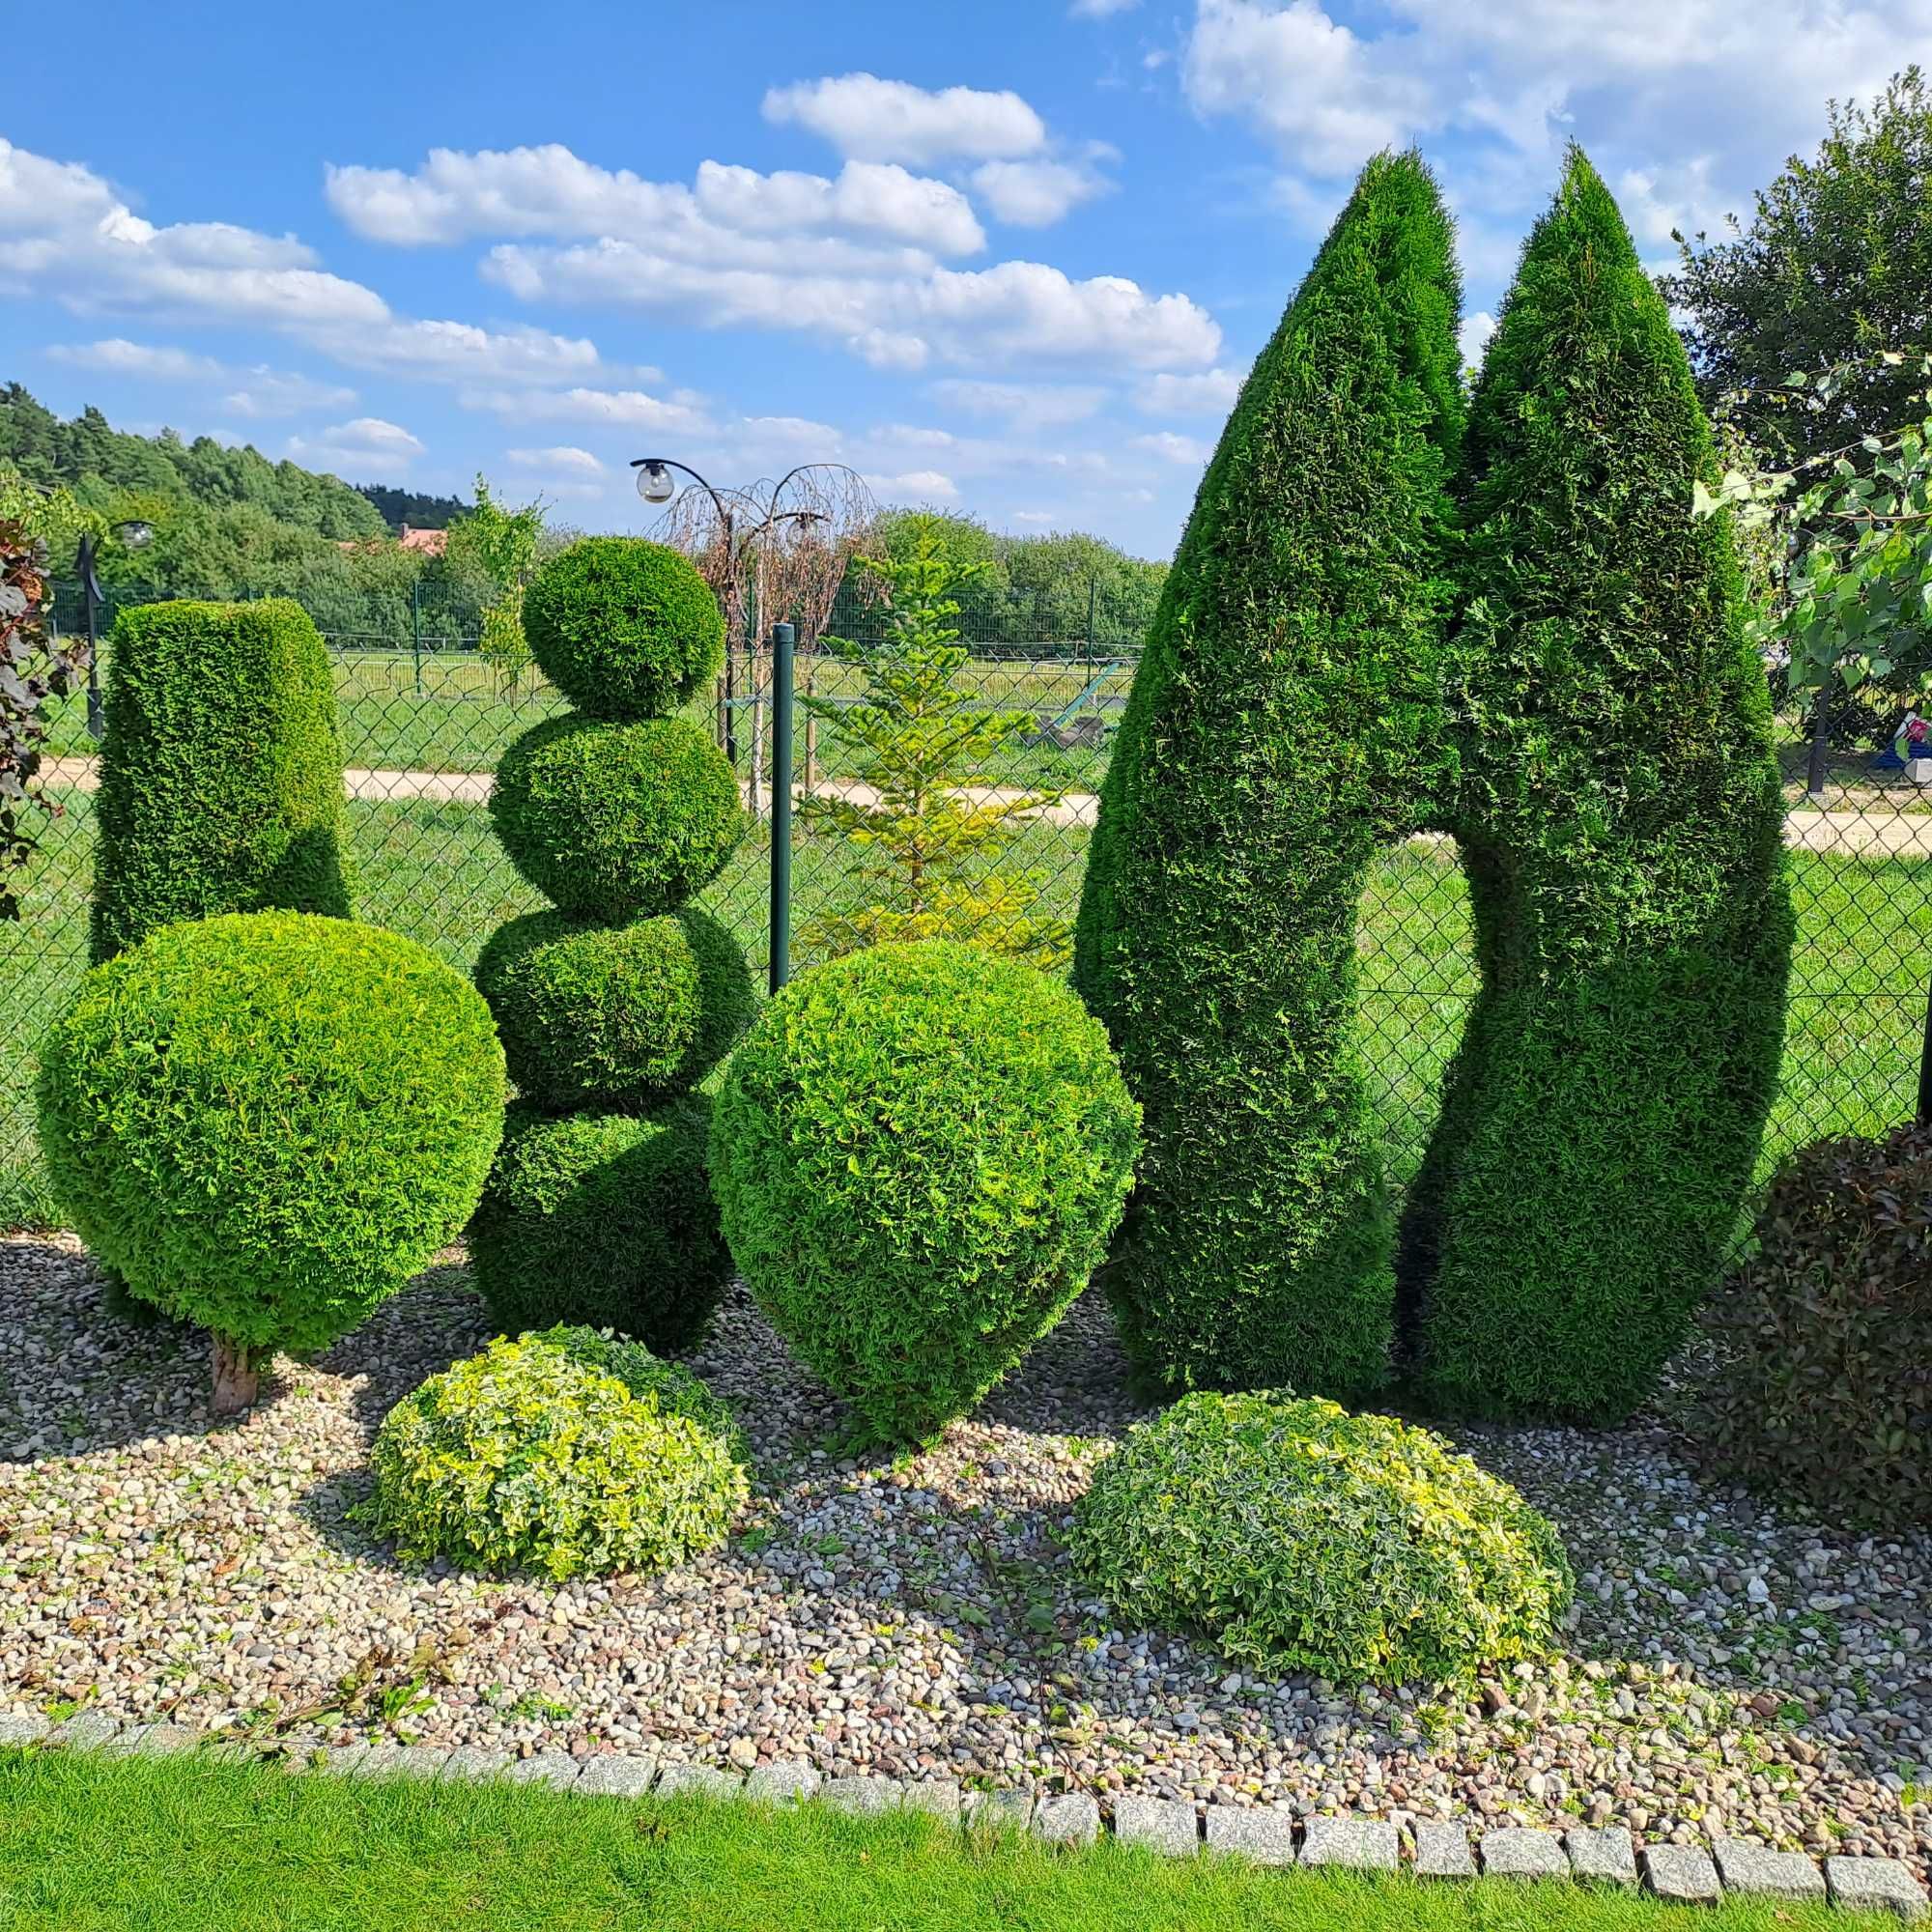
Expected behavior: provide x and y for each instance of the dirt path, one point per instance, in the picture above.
(1878, 833)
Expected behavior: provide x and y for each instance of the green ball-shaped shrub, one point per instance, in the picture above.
(622, 627)
(267, 1121)
(920, 1151)
(1295, 1536)
(616, 822)
(615, 1016)
(605, 1219)
(1822, 1383)
(568, 1453)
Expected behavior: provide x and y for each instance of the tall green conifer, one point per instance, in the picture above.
(1283, 726)
(1619, 816)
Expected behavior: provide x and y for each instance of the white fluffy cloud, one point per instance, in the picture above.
(258, 390)
(876, 119)
(1475, 335)
(1171, 447)
(913, 486)
(620, 409)
(1036, 195)
(550, 191)
(365, 443)
(1044, 405)
(559, 457)
(1212, 393)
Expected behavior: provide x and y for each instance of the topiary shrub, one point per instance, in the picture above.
(568, 1453)
(1619, 816)
(269, 1122)
(616, 822)
(1283, 726)
(1822, 1384)
(1294, 1536)
(220, 772)
(604, 1219)
(623, 628)
(614, 1016)
(920, 1151)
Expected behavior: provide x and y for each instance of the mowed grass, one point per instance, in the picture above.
(184, 1845)
(436, 871)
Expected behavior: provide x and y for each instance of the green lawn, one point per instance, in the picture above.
(173, 1845)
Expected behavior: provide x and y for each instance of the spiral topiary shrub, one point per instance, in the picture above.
(267, 1121)
(1821, 1387)
(920, 1152)
(1295, 1536)
(222, 770)
(605, 1219)
(622, 627)
(615, 1016)
(568, 1453)
(616, 822)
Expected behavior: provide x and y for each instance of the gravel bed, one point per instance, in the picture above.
(1729, 1673)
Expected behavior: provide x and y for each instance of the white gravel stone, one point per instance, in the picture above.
(1875, 1885)
(1073, 1818)
(1442, 1850)
(1601, 1855)
(1685, 1873)
(1267, 1838)
(1757, 1871)
(1514, 1851)
(1361, 1844)
(787, 1782)
(1165, 1825)
(609, 1775)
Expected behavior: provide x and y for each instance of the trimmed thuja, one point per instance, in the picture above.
(1282, 728)
(1619, 816)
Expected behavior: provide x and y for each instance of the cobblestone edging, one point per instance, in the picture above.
(1440, 1850)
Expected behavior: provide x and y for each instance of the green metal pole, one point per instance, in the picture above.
(783, 637)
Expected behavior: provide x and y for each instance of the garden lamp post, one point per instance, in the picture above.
(135, 534)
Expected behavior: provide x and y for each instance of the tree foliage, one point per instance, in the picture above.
(1283, 726)
(1619, 816)
(933, 830)
(1832, 270)
(32, 669)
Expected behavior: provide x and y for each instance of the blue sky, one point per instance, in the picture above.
(1010, 258)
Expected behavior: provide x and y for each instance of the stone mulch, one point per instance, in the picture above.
(1730, 1673)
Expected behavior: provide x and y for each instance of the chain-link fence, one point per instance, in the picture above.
(424, 726)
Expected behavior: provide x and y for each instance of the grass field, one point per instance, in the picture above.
(174, 1845)
(436, 871)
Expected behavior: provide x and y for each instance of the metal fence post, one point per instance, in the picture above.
(784, 638)
(416, 629)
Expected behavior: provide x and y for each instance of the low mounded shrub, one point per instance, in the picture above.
(569, 1453)
(605, 1219)
(622, 627)
(222, 770)
(615, 1016)
(920, 1152)
(616, 822)
(269, 1122)
(1822, 1385)
(1295, 1536)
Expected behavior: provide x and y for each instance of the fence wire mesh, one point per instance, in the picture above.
(424, 724)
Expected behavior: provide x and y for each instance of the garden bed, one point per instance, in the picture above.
(1728, 1670)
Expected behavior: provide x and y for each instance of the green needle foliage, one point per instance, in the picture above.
(1619, 818)
(933, 827)
(1282, 728)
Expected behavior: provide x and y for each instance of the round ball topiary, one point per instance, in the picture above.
(1298, 1537)
(622, 627)
(569, 1453)
(920, 1151)
(267, 1121)
(603, 1219)
(616, 822)
(615, 1016)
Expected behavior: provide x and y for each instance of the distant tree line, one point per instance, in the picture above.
(417, 508)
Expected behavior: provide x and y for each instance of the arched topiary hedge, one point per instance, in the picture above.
(222, 770)
(1619, 814)
(1283, 726)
